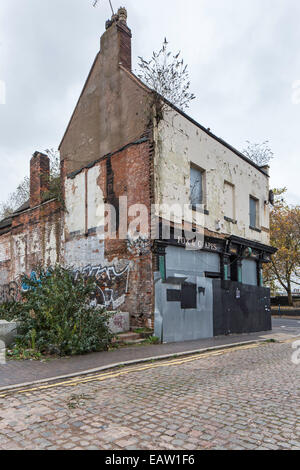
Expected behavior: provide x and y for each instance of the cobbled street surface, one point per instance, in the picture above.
(243, 399)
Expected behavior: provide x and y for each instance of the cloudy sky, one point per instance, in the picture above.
(243, 57)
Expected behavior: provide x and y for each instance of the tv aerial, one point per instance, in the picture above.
(95, 3)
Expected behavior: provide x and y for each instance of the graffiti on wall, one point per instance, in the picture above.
(112, 285)
(138, 245)
(33, 277)
(9, 292)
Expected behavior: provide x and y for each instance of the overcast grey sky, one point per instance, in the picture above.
(243, 57)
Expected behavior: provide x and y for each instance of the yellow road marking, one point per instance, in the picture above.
(109, 375)
(292, 340)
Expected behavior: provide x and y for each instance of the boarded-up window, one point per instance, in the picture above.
(253, 212)
(229, 200)
(249, 272)
(197, 186)
(196, 262)
(189, 296)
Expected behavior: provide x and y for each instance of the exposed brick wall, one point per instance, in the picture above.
(39, 178)
(36, 234)
(35, 238)
(124, 173)
(5, 255)
(125, 45)
(132, 178)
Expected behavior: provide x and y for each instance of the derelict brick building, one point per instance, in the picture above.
(114, 147)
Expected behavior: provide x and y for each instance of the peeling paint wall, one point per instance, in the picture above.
(35, 238)
(83, 251)
(95, 199)
(5, 249)
(75, 205)
(180, 143)
(5, 255)
(84, 244)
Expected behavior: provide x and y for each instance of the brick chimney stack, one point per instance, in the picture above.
(39, 177)
(119, 21)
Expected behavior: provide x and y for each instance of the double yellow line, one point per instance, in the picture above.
(114, 374)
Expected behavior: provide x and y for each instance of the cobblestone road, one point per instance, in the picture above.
(243, 399)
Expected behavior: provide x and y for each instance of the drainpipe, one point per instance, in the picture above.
(226, 261)
(162, 266)
(239, 271)
(160, 251)
(260, 274)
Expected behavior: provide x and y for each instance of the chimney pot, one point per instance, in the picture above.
(122, 13)
(120, 16)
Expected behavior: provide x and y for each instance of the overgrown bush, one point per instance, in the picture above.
(55, 314)
(8, 311)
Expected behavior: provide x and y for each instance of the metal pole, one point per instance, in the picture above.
(111, 7)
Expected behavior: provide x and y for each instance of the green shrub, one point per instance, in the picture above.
(153, 340)
(8, 311)
(55, 314)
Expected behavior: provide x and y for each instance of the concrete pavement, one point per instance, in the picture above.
(21, 372)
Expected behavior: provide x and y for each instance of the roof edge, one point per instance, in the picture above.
(200, 126)
(77, 103)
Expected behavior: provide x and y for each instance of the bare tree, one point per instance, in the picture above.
(55, 189)
(167, 75)
(15, 199)
(54, 158)
(261, 154)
